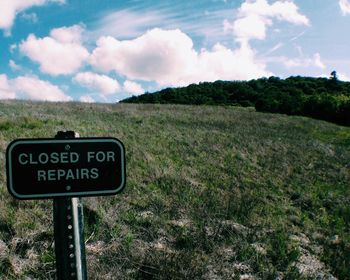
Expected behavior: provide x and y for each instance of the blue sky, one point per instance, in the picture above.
(104, 50)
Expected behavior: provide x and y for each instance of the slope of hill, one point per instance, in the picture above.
(212, 192)
(319, 98)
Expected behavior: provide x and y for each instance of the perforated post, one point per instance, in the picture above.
(69, 233)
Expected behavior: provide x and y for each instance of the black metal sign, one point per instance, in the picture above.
(48, 168)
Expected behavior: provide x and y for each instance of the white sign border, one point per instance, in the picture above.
(63, 141)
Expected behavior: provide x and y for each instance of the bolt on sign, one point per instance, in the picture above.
(48, 168)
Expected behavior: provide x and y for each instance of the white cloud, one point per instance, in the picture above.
(35, 89)
(141, 18)
(133, 88)
(157, 55)
(168, 57)
(60, 53)
(318, 62)
(344, 6)
(253, 19)
(282, 10)
(343, 76)
(68, 35)
(10, 8)
(315, 61)
(287, 11)
(26, 87)
(226, 64)
(12, 48)
(227, 25)
(254, 16)
(138, 22)
(14, 66)
(298, 36)
(6, 91)
(251, 27)
(31, 17)
(86, 99)
(101, 83)
(274, 48)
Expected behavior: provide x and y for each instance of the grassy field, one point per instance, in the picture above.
(212, 193)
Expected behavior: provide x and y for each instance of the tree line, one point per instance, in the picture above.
(320, 98)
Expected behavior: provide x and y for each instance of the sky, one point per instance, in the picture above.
(107, 50)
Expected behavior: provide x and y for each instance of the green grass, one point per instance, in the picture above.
(212, 192)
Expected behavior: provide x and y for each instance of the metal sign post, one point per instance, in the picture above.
(64, 169)
(69, 239)
(69, 233)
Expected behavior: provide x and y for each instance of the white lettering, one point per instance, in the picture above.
(110, 156)
(77, 174)
(51, 175)
(60, 173)
(100, 156)
(41, 175)
(74, 157)
(69, 174)
(45, 160)
(31, 160)
(20, 159)
(90, 155)
(64, 157)
(94, 173)
(54, 158)
(84, 173)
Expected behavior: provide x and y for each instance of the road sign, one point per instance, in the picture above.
(48, 168)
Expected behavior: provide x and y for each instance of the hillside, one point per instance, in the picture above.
(213, 192)
(319, 98)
